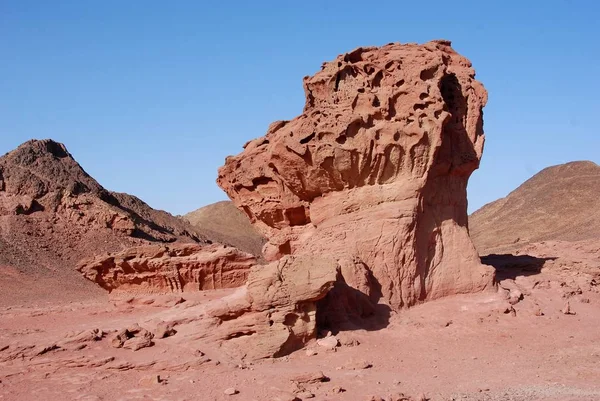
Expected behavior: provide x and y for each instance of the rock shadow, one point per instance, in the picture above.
(346, 308)
(445, 192)
(510, 266)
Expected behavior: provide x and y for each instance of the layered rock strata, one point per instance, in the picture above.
(169, 268)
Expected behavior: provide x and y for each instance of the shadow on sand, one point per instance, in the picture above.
(511, 266)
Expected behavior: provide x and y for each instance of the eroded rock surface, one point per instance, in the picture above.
(170, 268)
(275, 313)
(374, 172)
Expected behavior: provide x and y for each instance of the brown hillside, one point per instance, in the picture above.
(53, 214)
(225, 223)
(559, 203)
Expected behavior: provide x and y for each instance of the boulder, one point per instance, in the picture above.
(373, 173)
(133, 337)
(275, 313)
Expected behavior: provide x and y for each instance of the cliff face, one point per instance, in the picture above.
(374, 171)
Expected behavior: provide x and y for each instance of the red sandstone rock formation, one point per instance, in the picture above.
(169, 268)
(374, 172)
(273, 315)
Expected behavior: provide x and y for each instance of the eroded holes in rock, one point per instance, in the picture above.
(388, 66)
(307, 139)
(361, 90)
(296, 216)
(285, 248)
(290, 319)
(423, 96)
(353, 128)
(272, 167)
(272, 218)
(341, 139)
(428, 73)
(322, 135)
(271, 322)
(369, 69)
(338, 78)
(377, 79)
(399, 83)
(261, 181)
(307, 157)
(419, 106)
(397, 136)
(376, 102)
(377, 135)
(450, 89)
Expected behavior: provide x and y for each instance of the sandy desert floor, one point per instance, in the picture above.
(475, 347)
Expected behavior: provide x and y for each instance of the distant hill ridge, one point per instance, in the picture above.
(225, 223)
(559, 203)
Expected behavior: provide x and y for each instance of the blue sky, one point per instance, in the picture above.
(151, 96)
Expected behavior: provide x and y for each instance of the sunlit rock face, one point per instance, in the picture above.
(373, 173)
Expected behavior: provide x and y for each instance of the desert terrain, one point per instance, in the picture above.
(345, 266)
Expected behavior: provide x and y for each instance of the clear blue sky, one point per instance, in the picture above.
(151, 96)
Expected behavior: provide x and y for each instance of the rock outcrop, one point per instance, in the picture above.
(373, 173)
(169, 268)
(275, 313)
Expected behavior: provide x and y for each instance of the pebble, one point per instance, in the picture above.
(330, 342)
(337, 390)
(567, 309)
(230, 391)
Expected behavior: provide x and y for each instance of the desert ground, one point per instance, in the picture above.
(464, 347)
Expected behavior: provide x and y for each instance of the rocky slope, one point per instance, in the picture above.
(53, 214)
(560, 203)
(225, 223)
(373, 173)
